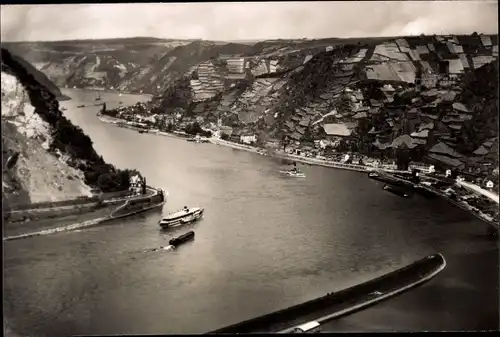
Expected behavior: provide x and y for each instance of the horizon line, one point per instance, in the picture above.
(239, 40)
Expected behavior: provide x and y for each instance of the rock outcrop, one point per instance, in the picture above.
(45, 157)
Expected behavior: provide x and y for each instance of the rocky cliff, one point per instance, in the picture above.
(45, 157)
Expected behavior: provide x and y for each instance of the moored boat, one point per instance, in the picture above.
(197, 139)
(181, 239)
(425, 192)
(398, 190)
(294, 172)
(182, 217)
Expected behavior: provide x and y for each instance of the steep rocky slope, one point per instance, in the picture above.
(45, 157)
(146, 65)
(135, 65)
(426, 98)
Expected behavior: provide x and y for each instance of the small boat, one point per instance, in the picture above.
(81, 106)
(385, 178)
(293, 173)
(98, 98)
(182, 217)
(63, 109)
(197, 139)
(398, 190)
(142, 131)
(120, 102)
(182, 239)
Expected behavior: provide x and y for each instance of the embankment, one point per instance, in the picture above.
(57, 212)
(346, 301)
(302, 159)
(248, 148)
(127, 208)
(135, 206)
(462, 205)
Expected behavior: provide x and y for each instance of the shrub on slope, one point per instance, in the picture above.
(480, 95)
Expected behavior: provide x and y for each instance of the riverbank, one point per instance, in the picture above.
(340, 303)
(51, 223)
(278, 154)
(320, 162)
(426, 188)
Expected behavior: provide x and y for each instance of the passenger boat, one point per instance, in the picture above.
(197, 139)
(182, 239)
(293, 173)
(182, 217)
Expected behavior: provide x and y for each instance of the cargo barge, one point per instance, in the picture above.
(401, 191)
(343, 302)
(182, 239)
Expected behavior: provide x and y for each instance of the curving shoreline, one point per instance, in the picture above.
(277, 154)
(305, 160)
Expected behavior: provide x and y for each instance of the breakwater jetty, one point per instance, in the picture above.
(114, 209)
(334, 305)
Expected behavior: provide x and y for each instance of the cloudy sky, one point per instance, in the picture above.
(246, 21)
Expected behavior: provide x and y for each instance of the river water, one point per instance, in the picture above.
(266, 242)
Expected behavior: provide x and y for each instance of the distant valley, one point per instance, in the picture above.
(430, 99)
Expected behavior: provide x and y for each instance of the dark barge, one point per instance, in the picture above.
(402, 191)
(181, 239)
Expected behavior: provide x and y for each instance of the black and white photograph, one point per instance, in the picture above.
(250, 167)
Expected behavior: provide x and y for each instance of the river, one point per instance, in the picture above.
(266, 242)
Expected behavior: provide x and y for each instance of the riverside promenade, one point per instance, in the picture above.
(277, 154)
(302, 159)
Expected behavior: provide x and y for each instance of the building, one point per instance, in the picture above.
(136, 184)
(429, 80)
(336, 130)
(248, 138)
(489, 184)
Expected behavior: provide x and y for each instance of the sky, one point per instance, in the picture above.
(230, 21)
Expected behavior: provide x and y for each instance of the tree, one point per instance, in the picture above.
(105, 181)
(224, 136)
